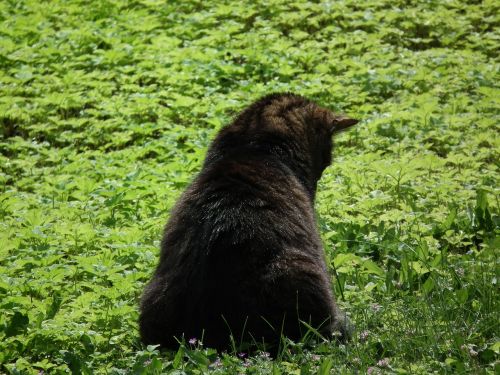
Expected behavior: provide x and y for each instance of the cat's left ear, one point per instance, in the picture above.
(341, 123)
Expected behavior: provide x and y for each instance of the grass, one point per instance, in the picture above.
(106, 111)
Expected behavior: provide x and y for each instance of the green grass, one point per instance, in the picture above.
(106, 111)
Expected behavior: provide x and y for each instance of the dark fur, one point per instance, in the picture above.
(241, 254)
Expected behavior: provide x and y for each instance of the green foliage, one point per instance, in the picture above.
(106, 110)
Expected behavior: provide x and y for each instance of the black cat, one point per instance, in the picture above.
(241, 255)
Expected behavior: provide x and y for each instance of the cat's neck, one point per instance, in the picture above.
(270, 152)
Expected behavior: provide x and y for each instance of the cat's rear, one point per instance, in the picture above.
(241, 256)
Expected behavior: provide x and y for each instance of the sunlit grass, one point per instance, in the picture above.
(106, 110)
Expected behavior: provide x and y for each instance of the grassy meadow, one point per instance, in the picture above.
(106, 111)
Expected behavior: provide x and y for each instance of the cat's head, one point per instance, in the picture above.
(321, 126)
(305, 126)
(289, 126)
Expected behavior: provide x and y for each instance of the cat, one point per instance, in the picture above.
(241, 258)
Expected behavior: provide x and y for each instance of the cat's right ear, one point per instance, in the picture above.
(341, 123)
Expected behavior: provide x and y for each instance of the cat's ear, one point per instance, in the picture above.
(341, 123)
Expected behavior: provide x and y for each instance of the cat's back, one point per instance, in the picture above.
(243, 198)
